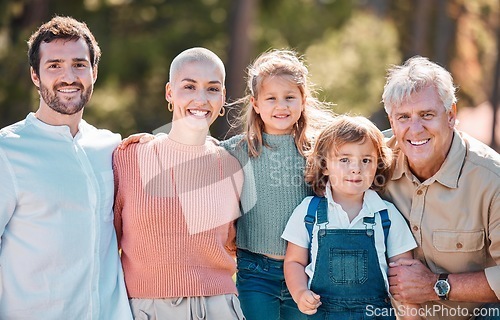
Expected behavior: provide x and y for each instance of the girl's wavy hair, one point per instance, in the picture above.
(347, 129)
(287, 64)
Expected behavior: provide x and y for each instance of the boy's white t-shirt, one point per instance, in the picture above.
(399, 240)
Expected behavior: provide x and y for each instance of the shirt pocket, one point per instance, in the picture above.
(107, 188)
(458, 241)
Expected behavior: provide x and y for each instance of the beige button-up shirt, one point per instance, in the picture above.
(454, 215)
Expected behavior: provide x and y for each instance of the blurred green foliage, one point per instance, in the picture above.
(348, 45)
(350, 68)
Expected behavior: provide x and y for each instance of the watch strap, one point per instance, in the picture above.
(443, 276)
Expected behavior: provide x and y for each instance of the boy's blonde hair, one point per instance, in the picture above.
(282, 63)
(347, 129)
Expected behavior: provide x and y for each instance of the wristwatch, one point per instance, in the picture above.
(442, 286)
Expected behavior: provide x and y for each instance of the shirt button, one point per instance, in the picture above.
(459, 245)
(415, 228)
(419, 192)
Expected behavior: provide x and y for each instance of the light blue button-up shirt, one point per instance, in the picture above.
(58, 251)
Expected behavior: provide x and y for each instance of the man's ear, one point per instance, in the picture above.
(452, 116)
(94, 74)
(35, 77)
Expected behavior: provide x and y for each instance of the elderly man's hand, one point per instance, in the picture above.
(411, 282)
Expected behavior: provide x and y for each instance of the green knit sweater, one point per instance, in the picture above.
(274, 185)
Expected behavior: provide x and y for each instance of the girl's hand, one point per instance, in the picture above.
(308, 302)
(136, 138)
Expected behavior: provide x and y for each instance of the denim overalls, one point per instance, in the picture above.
(347, 275)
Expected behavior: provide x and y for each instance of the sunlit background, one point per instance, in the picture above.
(347, 44)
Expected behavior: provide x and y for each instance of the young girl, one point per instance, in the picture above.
(281, 115)
(344, 273)
(175, 200)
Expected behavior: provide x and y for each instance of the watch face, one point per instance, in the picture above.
(442, 288)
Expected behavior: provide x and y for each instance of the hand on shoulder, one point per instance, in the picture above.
(135, 138)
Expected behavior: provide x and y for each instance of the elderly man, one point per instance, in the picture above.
(447, 185)
(58, 249)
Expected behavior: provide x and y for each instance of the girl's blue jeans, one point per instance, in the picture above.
(262, 289)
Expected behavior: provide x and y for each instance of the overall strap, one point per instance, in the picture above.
(310, 217)
(318, 206)
(322, 212)
(386, 223)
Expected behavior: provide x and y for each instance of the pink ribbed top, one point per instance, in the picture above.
(174, 211)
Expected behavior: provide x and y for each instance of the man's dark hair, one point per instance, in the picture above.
(65, 28)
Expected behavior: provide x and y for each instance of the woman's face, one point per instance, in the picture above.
(197, 94)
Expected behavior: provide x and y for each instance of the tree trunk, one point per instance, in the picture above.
(240, 47)
(445, 32)
(421, 27)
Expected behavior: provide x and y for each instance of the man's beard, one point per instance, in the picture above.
(68, 107)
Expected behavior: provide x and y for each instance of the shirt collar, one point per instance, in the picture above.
(449, 172)
(63, 129)
(371, 202)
